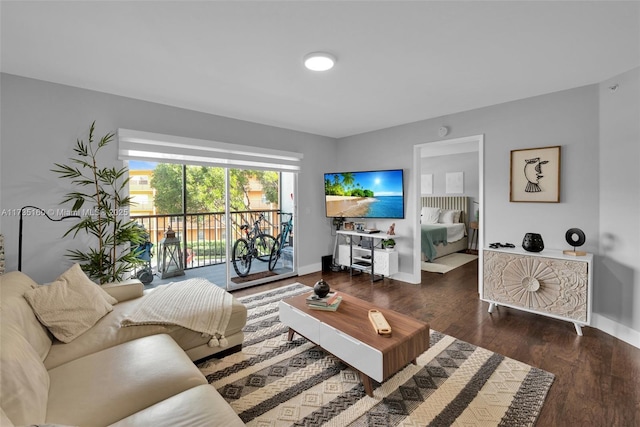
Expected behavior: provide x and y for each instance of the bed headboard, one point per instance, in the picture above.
(460, 203)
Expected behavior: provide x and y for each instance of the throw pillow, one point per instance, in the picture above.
(68, 310)
(430, 215)
(77, 278)
(449, 217)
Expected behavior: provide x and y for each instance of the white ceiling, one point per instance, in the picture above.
(398, 62)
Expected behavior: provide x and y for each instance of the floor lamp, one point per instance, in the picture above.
(40, 211)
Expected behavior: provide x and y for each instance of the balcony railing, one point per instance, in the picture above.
(203, 234)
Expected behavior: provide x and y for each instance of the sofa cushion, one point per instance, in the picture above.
(78, 279)
(23, 379)
(68, 310)
(104, 387)
(16, 311)
(125, 290)
(200, 406)
(108, 333)
(4, 420)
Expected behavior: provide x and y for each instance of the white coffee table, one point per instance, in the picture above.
(348, 335)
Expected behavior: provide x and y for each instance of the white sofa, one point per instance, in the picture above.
(107, 376)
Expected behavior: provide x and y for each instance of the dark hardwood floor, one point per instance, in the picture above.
(597, 377)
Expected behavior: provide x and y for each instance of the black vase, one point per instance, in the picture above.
(321, 288)
(532, 242)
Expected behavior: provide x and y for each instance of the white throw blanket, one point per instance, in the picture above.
(195, 304)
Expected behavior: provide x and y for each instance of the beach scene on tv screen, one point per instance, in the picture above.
(371, 194)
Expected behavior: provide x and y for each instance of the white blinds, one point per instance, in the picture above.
(138, 145)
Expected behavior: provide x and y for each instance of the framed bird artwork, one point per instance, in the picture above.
(535, 175)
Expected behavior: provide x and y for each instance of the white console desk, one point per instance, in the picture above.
(376, 261)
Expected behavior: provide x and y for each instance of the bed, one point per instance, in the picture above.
(443, 225)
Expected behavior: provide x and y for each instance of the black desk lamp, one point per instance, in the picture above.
(42, 211)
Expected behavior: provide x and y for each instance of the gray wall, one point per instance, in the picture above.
(570, 119)
(617, 295)
(41, 121)
(439, 166)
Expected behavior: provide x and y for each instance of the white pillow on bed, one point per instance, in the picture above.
(430, 215)
(449, 216)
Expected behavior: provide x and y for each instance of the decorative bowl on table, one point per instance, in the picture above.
(321, 288)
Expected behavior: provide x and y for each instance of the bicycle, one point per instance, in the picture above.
(282, 240)
(255, 244)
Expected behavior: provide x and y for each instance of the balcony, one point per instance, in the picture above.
(203, 235)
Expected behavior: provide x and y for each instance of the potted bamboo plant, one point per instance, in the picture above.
(100, 199)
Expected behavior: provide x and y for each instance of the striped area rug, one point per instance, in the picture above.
(275, 382)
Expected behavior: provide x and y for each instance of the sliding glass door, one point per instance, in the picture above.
(212, 208)
(260, 226)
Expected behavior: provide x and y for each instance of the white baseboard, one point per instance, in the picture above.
(615, 329)
(404, 277)
(308, 269)
(314, 268)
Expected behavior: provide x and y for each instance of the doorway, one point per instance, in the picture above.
(442, 149)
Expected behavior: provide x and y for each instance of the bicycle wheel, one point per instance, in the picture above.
(241, 257)
(264, 244)
(275, 253)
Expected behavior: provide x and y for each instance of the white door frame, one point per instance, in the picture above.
(416, 194)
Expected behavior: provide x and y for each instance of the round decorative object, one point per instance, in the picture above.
(443, 131)
(575, 237)
(532, 242)
(530, 284)
(321, 288)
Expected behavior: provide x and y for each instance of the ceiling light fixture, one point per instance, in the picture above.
(319, 61)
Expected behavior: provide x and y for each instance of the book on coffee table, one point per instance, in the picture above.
(331, 307)
(325, 301)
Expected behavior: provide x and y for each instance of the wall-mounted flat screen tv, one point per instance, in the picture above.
(367, 194)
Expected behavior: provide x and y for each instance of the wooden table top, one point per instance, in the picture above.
(352, 318)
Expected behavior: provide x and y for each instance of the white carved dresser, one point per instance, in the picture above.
(548, 283)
